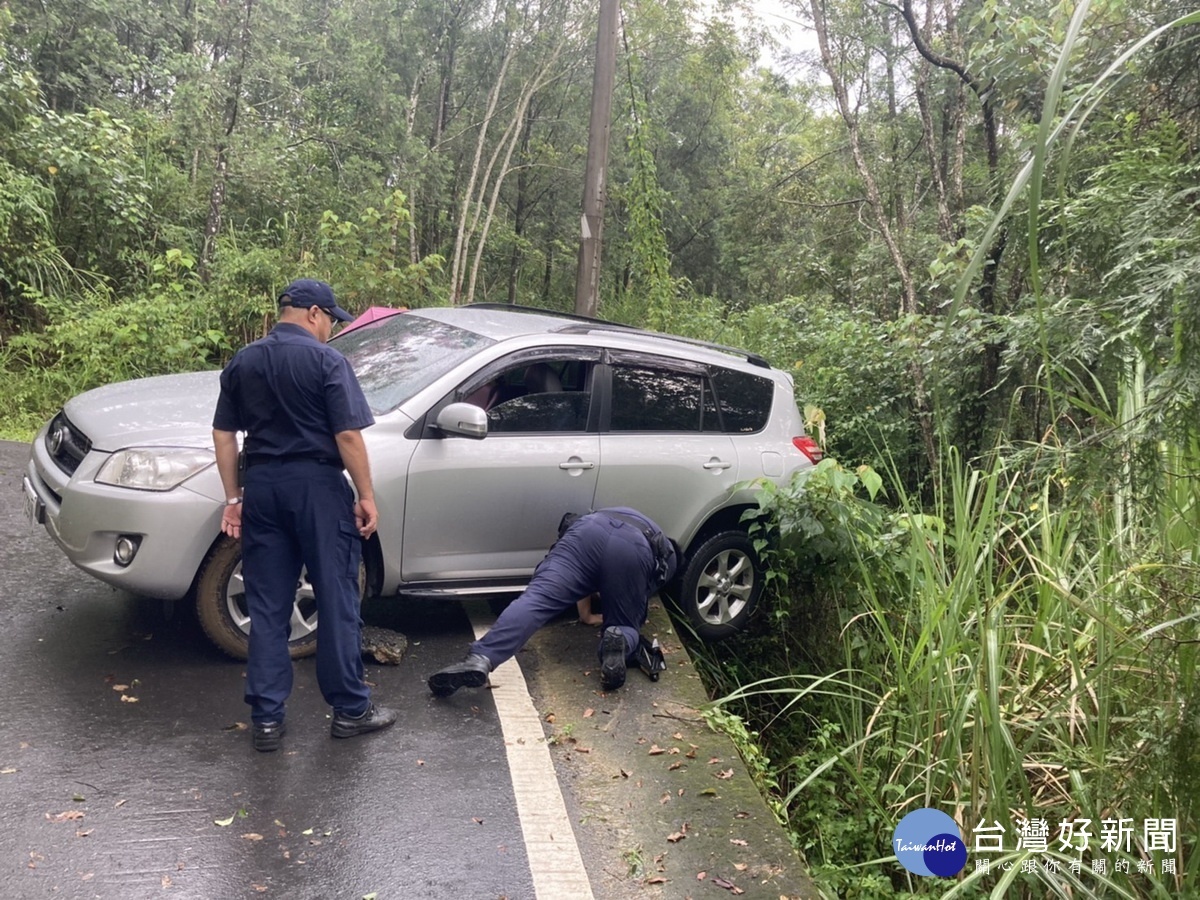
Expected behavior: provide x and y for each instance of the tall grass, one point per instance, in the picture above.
(1021, 654)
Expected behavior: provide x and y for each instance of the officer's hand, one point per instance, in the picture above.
(366, 517)
(231, 521)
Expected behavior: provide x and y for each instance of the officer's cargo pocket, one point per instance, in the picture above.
(348, 535)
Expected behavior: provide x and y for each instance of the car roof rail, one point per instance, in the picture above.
(588, 324)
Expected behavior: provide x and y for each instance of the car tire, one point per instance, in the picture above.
(721, 584)
(221, 605)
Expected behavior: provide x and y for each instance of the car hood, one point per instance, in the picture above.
(169, 410)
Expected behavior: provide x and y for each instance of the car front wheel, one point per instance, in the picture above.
(221, 605)
(721, 585)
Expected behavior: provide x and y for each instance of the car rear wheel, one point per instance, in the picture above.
(221, 605)
(721, 585)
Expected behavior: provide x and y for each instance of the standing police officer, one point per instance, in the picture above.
(618, 553)
(302, 411)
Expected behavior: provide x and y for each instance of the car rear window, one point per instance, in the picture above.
(396, 357)
(745, 400)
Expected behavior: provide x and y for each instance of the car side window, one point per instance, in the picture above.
(745, 400)
(647, 399)
(543, 396)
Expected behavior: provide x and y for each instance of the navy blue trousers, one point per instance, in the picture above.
(597, 553)
(301, 514)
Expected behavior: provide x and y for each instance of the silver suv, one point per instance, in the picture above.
(491, 423)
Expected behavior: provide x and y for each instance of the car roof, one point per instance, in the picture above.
(503, 321)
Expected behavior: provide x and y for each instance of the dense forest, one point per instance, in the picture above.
(967, 228)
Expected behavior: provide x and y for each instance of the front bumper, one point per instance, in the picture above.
(173, 529)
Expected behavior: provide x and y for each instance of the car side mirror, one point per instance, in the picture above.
(464, 419)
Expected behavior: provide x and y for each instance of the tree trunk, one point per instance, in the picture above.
(216, 196)
(908, 303)
(975, 421)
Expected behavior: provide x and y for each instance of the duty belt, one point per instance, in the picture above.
(259, 459)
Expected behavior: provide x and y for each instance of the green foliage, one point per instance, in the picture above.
(983, 660)
(95, 339)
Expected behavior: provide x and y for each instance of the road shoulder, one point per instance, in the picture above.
(662, 805)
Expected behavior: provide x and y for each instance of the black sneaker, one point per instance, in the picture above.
(376, 718)
(612, 659)
(471, 672)
(268, 736)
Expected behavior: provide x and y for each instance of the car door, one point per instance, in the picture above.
(490, 508)
(663, 450)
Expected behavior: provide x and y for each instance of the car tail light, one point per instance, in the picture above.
(809, 448)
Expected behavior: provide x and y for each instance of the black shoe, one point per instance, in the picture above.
(268, 736)
(612, 659)
(471, 672)
(649, 658)
(376, 718)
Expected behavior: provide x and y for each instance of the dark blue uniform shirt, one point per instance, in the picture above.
(290, 394)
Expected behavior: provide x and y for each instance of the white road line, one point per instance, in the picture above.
(554, 858)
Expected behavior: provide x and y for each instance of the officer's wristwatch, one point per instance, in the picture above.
(233, 501)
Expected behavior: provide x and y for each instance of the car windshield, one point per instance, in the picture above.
(396, 357)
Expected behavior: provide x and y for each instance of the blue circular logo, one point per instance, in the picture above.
(928, 842)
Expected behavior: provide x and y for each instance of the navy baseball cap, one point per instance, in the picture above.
(305, 292)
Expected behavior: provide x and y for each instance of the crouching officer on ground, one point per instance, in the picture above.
(617, 552)
(302, 411)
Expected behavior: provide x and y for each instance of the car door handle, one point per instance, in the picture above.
(717, 464)
(576, 464)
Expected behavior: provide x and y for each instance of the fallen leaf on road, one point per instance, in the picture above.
(727, 774)
(420, 762)
(656, 879)
(625, 774)
(84, 833)
(714, 760)
(120, 687)
(583, 749)
(678, 736)
(69, 816)
(550, 717)
(741, 815)
(166, 881)
(588, 713)
(224, 823)
(664, 798)
(252, 836)
(125, 698)
(739, 842)
(708, 792)
(655, 750)
(236, 726)
(673, 766)
(700, 876)
(8, 771)
(741, 867)
(476, 821)
(120, 803)
(676, 837)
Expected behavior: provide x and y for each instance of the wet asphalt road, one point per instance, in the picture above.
(123, 751)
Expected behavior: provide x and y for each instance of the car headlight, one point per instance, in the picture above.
(154, 468)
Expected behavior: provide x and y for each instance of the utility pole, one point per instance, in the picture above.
(587, 276)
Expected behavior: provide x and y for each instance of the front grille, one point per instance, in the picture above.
(66, 445)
